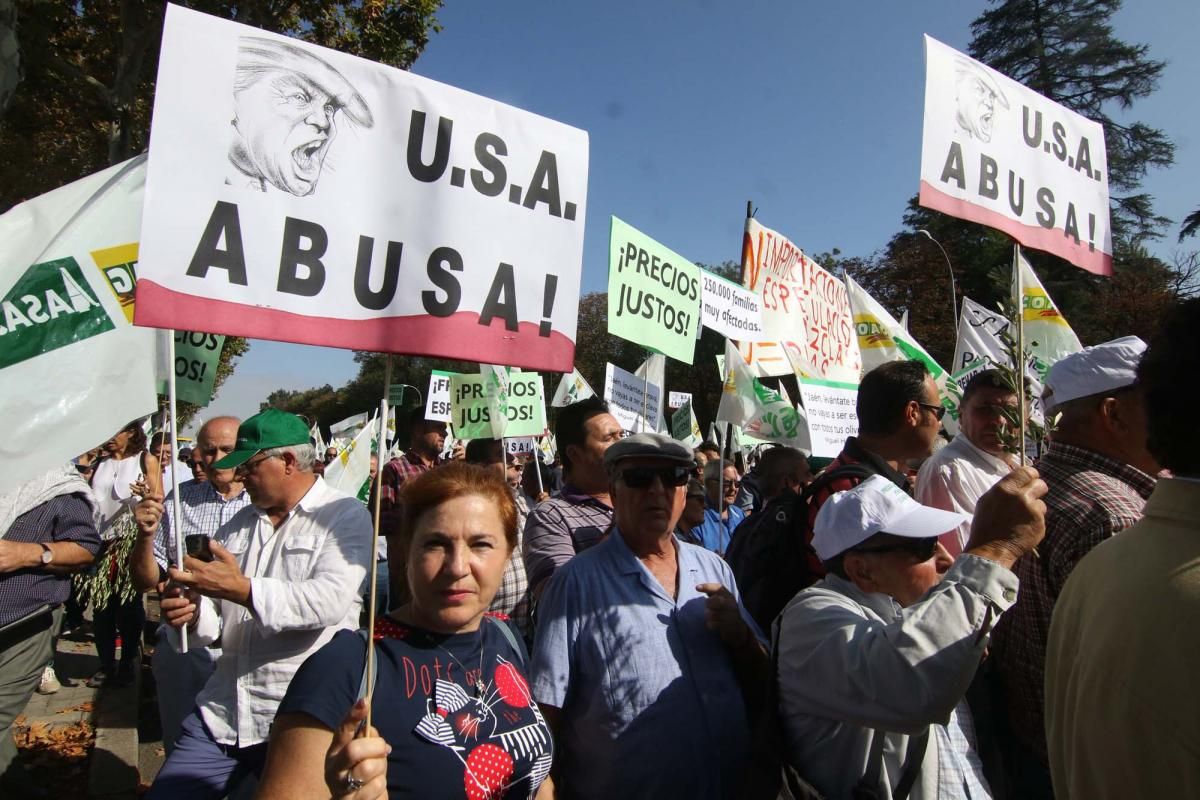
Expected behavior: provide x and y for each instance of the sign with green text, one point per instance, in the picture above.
(196, 358)
(653, 293)
(471, 413)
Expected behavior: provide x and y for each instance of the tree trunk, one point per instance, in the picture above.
(10, 54)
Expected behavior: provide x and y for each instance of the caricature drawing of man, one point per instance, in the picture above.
(286, 102)
(976, 96)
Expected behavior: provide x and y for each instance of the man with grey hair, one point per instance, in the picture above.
(283, 578)
(285, 101)
(722, 514)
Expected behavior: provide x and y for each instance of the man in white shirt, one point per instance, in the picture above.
(284, 580)
(955, 477)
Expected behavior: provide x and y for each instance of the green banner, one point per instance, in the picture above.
(471, 414)
(49, 307)
(196, 358)
(653, 293)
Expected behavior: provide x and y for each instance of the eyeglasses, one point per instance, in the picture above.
(922, 549)
(937, 411)
(643, 477)
(734, 483)
(248, 467)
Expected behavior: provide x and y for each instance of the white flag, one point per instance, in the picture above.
(73, 369)
(653, 371)
(352, 465)
(349, 425)
(979, 346)
(763, 412)
(1047, 334)
(318, 441)
(571, 389)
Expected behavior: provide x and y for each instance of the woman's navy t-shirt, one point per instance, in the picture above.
(450, 738)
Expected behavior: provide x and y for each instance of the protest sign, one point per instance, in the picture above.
(830, 408)
(733, 311)
(437, 402)
(627, 395)
(1000, 154)
(806, 317)
(471, 414)
(571, 389)
(653, 293)
(684, 426)
(496, 383)
(196, 358)
(677, 399)
(1047, 334)
(518, 445)
(475, 208)
(73, 371)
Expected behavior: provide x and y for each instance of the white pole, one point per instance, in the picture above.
(176, 511)
(383, 415)
(1020, 365)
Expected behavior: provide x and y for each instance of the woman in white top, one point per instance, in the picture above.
(125, 473)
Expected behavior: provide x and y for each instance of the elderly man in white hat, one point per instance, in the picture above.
(285, 102)
(1100, 474)
(873, 662)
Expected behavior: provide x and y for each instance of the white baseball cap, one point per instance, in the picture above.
(876, 506)
(1094, 370)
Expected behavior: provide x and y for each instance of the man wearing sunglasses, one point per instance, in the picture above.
(643, 648)
(874, 660)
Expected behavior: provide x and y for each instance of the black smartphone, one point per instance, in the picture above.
(197, 546)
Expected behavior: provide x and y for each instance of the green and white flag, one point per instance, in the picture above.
(73, 369)
(762, 412)
(353, 464)
(1047, 335)
(496, 383)
(571, 389)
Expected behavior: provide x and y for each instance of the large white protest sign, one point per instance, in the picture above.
(302, 194)
(1000, 154)
(804, 310)
(437, 402)
(733, 311)
(73, 371)
(633, 401)
(830, 408)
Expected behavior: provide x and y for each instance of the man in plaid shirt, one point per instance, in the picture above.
(1100, 474)
(426, 440)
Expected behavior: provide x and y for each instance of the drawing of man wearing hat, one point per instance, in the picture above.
(285, 103)
(976, 97)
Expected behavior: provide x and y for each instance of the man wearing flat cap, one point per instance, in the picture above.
(874, 660)
(283, 579)
(643, 648)
(1100, 473)
(286, 100)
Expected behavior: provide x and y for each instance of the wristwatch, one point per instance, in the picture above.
(47, 553)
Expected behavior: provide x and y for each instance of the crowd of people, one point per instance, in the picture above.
(916, 619)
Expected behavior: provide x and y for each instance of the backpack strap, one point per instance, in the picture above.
(510, 636)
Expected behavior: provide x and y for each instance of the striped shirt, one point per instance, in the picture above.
(204, 510)
(1091, 498)
(558, 529)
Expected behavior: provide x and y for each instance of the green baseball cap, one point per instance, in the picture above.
(266, 429)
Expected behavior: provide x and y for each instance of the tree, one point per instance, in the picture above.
(90, 68)
(1191, 225)
(1066, 50)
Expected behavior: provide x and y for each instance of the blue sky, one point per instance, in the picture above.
(810, 110)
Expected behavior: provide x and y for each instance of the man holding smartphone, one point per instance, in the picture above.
(205, 506)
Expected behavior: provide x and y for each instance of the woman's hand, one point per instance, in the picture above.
(356, 768)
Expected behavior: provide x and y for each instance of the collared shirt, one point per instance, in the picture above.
(66, 518)
(512, 598)
(716, 533)
(204, 510)
(395, 473)
(559, 528)
(1090, 498)
(304, 577)
(854, 665)
(637, 672)
(954, 478)
(1122, 710)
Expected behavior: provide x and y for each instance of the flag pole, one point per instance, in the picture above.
(537, 468)
(383, 414)
(176, 511)
(1020, 303)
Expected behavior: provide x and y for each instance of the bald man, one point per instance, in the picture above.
(205, 506)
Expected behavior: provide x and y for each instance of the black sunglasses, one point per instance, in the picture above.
(938, 411)
(922, 549)
(643, 477)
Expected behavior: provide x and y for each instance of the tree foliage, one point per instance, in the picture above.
(1067, 51)
(90, 66)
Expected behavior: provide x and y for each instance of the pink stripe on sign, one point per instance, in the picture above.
(457, 336)
(1051, 240)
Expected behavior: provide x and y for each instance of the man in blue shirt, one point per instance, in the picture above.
(722, 514)
(643, 647)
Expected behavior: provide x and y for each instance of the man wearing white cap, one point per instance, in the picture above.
(1100, 473)
(874, 661)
